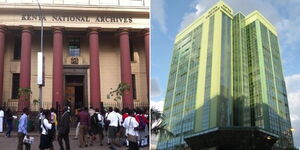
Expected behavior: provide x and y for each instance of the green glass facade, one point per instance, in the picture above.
(226, 71)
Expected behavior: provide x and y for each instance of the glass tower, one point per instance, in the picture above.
(226, 71)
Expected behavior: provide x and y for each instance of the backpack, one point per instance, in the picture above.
(142, 124)
(95, 119)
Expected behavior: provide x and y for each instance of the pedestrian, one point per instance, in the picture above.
(9, 121)
(22, 129)
(69, 104)
(54, 121)
(64, 129)
(84, 119)
(1, 119)
(119, 132)
(106, 124)
(141, 127)
(146, 117)
(130, 124)
(113, 120)
(123, 137)
(77, 111)
(101, 125)
(40, 118)
(46, 135)
(91, 111)
(90, 134)
(94, 128)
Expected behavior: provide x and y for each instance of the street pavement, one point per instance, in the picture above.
(12, 142)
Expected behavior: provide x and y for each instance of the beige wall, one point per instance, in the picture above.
(109, 57)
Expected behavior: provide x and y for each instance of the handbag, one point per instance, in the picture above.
(132, 138)
(28, 140)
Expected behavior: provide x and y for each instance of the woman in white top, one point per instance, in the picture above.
(46, 139)
(130, 124)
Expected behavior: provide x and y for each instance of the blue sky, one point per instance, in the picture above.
(168, 17)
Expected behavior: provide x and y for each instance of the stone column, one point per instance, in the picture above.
(146, 42)
(2, 49)
(57, 87)
(126, 67)
(25, 65)
(95, 91)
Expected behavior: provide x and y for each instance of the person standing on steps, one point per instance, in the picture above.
(64, 129)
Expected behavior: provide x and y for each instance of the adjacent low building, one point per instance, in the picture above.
(90, 46)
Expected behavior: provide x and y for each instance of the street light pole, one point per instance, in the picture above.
(42, 51)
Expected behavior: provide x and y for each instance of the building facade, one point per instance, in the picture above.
(226, 72)
(89, 48)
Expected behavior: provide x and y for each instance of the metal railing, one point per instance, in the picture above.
(13, 105)
(130, 3)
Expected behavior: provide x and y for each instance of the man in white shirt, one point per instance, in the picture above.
(120, 120)
(1, 119)
(130, 124)
(113, 119)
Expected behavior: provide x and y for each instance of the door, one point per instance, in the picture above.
(70, 95)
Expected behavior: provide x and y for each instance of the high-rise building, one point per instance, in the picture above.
(226, 72)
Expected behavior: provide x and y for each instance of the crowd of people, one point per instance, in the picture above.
(129, 127)
(115, 125)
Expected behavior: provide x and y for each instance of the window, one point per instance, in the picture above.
(131, 49)
(15, 85)
(133, 86)
(74, 47)
(17, 48)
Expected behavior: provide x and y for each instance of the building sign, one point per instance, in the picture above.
(78, 18)
(74, 60)
(40, 70)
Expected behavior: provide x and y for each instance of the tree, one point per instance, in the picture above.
(158, 124)
(24, 93)
(119, 92)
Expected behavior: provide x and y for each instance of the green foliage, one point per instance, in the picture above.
(25, 93)
(119, 92)
(35, 101)
(158, 124)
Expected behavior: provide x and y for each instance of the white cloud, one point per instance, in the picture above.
(158, 14)
(293, 83)
(188, 18)
(159, 105)
(198, 10)
(155, 88)
(293, 90)
(244, 6)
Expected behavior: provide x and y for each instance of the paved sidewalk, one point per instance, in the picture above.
(12, 142)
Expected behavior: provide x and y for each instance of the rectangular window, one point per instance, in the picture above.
(17, 48)
(133, 86)
(74, 47)
(131, 50)
(15, 85)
